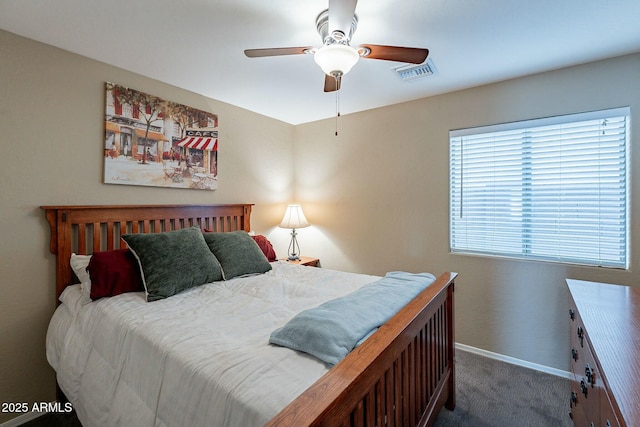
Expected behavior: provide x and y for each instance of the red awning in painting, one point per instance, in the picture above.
(199, 143)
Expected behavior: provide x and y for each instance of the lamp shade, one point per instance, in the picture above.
(336, 58)
(294, 218)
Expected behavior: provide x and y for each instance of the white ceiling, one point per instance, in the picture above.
(198, 44)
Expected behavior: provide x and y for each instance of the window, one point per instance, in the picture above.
(551, 189)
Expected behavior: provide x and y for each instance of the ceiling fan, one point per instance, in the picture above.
(336, 57)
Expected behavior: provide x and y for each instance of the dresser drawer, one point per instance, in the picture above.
(585, 389)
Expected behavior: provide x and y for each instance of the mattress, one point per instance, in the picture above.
(199, 358)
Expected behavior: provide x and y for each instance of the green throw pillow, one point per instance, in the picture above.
(238, 253)
(173, 261)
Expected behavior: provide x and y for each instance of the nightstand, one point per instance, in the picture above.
(305, 260)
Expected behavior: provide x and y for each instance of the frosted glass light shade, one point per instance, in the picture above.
(294, 218)
(336, 57)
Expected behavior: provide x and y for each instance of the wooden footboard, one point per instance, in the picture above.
(401, 376)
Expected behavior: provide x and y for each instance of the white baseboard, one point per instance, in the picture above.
(513, 361)
(22, 419)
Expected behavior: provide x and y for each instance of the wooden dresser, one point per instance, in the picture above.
(605, 354)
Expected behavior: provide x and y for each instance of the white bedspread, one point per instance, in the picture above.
(200, 358)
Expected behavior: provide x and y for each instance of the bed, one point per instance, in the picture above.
(401, 375)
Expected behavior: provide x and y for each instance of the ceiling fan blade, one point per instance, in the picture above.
(341, 14)
(276, 51)
(411, 55)
(331, 84)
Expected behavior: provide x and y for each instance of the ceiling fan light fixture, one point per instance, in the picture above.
(336, 58)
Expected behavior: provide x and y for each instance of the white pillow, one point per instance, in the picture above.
(79, 264)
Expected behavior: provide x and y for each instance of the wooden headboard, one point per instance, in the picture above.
(88, 229)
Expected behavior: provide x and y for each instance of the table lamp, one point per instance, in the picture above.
(294, 218)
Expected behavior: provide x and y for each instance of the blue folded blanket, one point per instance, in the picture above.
(331, 330)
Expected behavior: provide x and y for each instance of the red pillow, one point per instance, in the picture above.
(113, 273)
(266, 247)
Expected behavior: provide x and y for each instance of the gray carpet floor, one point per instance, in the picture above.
(489, 393)
(492, 393)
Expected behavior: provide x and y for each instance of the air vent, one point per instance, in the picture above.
(412, 72)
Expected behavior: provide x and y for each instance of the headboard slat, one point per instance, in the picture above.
(110, 237)
(96, 237)
(82, 238)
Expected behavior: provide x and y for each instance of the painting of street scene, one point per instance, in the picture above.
(154, 142)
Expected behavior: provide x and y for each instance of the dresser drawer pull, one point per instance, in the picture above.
(581, 335)
(572, 314)
(608, 424)
(583, 388)
(591, 376)
(574, 354)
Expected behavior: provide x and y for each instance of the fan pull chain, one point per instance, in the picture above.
(337, 109)
(338, 76)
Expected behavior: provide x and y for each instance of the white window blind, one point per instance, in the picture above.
(551, 189)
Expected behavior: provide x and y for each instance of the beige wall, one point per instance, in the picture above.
(51, 133)
(377, 196)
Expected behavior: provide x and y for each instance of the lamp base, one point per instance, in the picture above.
(294, 248)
